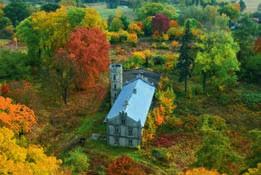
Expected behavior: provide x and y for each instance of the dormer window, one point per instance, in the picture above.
(123, 121)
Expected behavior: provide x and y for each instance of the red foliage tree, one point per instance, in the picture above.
(89, 50)
(124, 165)
(160, 23)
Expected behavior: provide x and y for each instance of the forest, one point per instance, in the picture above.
(55, 87)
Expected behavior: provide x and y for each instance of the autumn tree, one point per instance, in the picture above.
(89, 51)
(17, 117)
(19, 160)
(160, 23)
(217, 60)
(186, 60)
(124, 165)
(44, 33)
(200, 171)
(63, 72)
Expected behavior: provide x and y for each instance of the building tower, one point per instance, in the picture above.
(116, 80)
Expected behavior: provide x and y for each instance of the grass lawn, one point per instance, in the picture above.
(3, 42)
(252, 5)
(105, 12)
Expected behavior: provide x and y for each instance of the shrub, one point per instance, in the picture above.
(114, 37)
(175, 32)
(159, 60)
(4, 89)
(13, 65)
(133, 63)
(200, 171)
(161, 154)
(77, 161)
(124, 165)
(116, 24)
(174, 44)
(132, 39)
(123, 35)
(136, 27)
(212, 122)
(160, 23)
(191, 123)
(251, 99)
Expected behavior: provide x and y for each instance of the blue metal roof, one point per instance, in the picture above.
(134, 99)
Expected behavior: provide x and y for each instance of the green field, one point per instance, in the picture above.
(252, 5)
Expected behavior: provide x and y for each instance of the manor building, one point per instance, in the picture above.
(131, 103)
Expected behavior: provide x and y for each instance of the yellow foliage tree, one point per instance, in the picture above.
(254, 171)
(93, 19)
(18, 160)
(200, 171)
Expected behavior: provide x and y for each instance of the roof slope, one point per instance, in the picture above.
(134, 99)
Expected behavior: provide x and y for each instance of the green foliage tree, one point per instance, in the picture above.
(252, 67)
(186, 60)
(151, 9)
(216, 152)
(245, 34)
(13, 65)
(255, 157)
(77, 161)
(207, 17)
(217, 60)
(242, 5)
(230, 10)
(16, 12)
(50, 7)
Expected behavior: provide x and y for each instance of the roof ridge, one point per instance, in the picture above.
(129, 97)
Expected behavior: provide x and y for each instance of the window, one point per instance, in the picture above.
(115, 86)
(116, 131)
(130, 142)
(116, 141)
(130, 131)
(114, 77)
(123, 121)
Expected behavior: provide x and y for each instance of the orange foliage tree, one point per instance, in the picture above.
(200, 171)
(17, 117)
(124, 165)
(89, 50)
